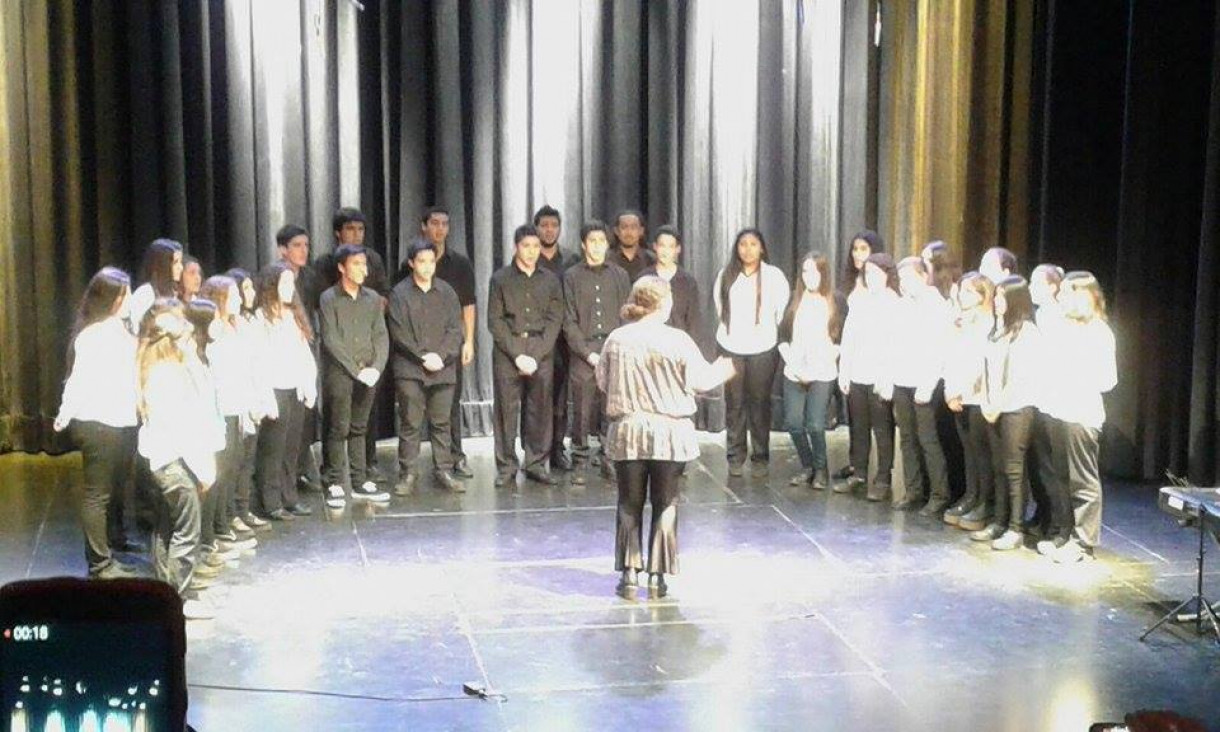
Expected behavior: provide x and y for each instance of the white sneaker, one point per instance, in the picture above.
(336, 497)
(368, 491)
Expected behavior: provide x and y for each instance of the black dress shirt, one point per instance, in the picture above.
(421, 323)
(593, 297)
(559, 264)
(524, 312)
(644, 259)
(353, 329)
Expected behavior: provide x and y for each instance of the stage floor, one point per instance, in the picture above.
(793, 610)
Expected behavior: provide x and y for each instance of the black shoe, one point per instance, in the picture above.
(955, 512)
(821, 479)
(935, 507)
(462, 469)
(628, 583)
(405, 485)
(541, 476)
(976, 519)
(656, 586)
(847, 472)
(448, 482)
(736, 471)
(307, 484)
(560, 461)
(300, 509)
(280, 514)
(504, 478)
(114, 570)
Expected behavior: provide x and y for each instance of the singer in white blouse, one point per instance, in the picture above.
(750, 297)
(99, 404)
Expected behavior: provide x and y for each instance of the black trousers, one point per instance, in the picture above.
(588, 409)
(107, 453)
(279, 445)
(980, 452)
(747, 407)
(418, 402)
(1041, 472)
(923, 459)
(216, 514)
(176, 541)
(559, 396)
(970, 462)
(871, 420)
(345, 422)
(243, 485)
(1010, 438)
(522, 403)
(455, 414)
(383, 393)
(658, 481)
(1078, 454)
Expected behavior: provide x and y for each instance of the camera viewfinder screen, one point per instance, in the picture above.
(83, 677)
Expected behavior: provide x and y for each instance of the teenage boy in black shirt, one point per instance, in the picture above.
(524, 314)
(425, 318)
(355, 347)
(549, 223)
(630, 253)
(594, 292)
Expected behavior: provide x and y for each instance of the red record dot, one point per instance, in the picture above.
(7, 634)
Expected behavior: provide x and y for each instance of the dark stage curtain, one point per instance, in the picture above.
(1129, 182)
(217, 122)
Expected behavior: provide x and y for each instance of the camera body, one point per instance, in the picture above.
(88, 655)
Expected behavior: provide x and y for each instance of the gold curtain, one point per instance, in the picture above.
(955, 96)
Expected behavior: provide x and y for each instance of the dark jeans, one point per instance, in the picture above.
(978, 449)
(961, 422)
(107, 453)
(872, 419)
(559, 396)
(747, 406)
(1010, 438)
(922, 456)
(215, 517)
(176, 542)
(805, 419)
(279, 442)
(1079, 472)
(243, 486)
(382, 394)
(588, 409)
(658, 481)
(522, 402)
(418, 402)
(347, 403)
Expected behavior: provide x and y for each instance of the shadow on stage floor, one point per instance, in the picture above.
(793, 610)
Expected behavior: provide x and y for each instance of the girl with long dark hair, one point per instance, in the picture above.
(191, 280)
(249, 344)
(162, 271)
(1044, 293)
(865, 368)
(750, 297)
(99, 405)
(1085, 368)
(180, 434)
(964, 386)
(921, 338)
(809, 344)
(1014, 373)
(292, 372)
(650, 372)
(860, 247)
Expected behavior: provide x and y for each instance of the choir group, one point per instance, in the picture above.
(193, 399)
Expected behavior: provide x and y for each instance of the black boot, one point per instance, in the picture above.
(656, 586)
(628, 583)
